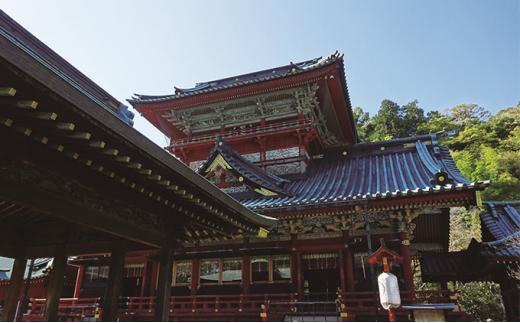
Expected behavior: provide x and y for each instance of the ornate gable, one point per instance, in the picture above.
(233, 173)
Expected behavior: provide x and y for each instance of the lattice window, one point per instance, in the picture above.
(182, 273)
(254, 157)
(231, 270)
(235, 189)
(320, 261)
(93, 273)
(282, 153)
(289, 168)
(133, 270)
(270, 268)
(281, 268)
(209, 271)
(221, 271)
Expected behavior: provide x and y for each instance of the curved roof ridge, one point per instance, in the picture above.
(243, 79)
(431, 163)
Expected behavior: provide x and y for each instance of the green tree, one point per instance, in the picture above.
(412, 119)
(361, 119)
(437, 122)
(386, 124)
(482, 300)
(468, 114)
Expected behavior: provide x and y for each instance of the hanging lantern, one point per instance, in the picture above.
(389, 291)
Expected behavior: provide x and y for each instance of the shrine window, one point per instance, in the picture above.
(231, 270)
(260, 269)
(209, 271)
(221, 271)
(133, 270)
(270, 269)
(320, 261)
(281, 268)
(182, 273)
(96, 273)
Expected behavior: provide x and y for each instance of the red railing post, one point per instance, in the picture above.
(241, 303)
(263, 312)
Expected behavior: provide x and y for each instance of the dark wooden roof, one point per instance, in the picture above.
(42, 74)
(239, 80)
(502, 221)
(445, 266)
(378, 170)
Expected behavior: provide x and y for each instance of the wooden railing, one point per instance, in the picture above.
(242, 132)
(276, 306)
(70, 309)
(204, 305)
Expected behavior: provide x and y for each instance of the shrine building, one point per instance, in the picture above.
(264, 206)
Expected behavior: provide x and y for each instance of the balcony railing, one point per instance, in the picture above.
(70, 309)
(275, 306)
(289, 125)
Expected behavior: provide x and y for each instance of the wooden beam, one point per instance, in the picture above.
(67, 126)
(23, 131)
(97, 144)
(73, 212)
(7, 122)
(7, 91)
(135, 165)
(20, 104)
(94, 245)
(79, 135)
(111, 151)
(123, 159)
(145, 171)
(44, 115)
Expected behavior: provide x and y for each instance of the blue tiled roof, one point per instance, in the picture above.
(502, 221)
(378, 170)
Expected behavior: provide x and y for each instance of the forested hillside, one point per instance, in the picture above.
(485, 147)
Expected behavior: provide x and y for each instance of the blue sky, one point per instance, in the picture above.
(439, 52)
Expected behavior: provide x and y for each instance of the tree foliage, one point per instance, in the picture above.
(484, 147)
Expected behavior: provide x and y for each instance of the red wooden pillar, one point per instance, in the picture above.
(296, 267)
(407, 262)
(164, 284)
(246, 274)
(79, 281)
(154, 273)
(299, 274)
(342, 272)
(349, 269)
(195, 273)
(145, 279)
